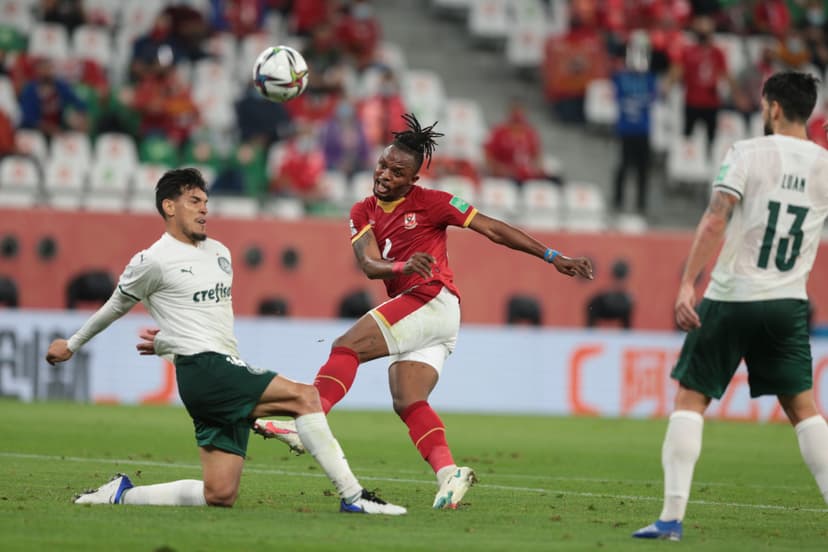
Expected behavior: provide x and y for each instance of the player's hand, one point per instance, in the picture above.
(58, 352)
(419, 263)
(578, 266)
(147, 344)
(686, 316)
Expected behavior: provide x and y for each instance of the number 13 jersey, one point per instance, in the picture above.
(774, 233)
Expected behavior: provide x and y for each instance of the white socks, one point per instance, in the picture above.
(316, 435)
(812, 434)
(185, 492)
(681, 449)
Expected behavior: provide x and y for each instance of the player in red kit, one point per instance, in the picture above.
(399, 236)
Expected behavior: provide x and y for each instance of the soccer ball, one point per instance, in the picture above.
(280, 73)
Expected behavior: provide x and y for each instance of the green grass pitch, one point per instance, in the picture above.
(545, 484)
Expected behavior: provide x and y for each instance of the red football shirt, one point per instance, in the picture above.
(414, 223)
(703, 67)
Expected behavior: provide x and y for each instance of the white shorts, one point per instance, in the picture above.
(420, 325)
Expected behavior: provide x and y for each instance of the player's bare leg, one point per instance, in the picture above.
(411, 384)
(812, 434)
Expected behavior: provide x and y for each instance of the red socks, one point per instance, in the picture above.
(428, 434)
(336, 376)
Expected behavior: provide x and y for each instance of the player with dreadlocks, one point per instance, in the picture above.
(399, 236)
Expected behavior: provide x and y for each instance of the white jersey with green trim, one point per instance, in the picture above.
(187, 290)
(773, 236)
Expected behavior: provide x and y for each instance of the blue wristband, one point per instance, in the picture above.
(550, 255)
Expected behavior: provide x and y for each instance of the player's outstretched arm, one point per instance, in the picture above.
(119, 304)
(375, 267)
(505, 234)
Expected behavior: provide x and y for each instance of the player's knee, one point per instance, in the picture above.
(401, 404)
(221, 495)
(307, 400)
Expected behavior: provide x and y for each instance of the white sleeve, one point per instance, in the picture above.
(732, 175)
(139, 279)
(117, 306)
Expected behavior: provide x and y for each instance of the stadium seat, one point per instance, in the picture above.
(63, 177)
(49, 40)
(17, 14)
(526, 43)
(735, 51)
(629, 223)
(72, 146)
(141, 204)
(687, 159)
(499, 197)
(224, 48)
(19, 181)
(600, 105)
(362, 185)
(32, 142)
(249, 49)
(137, 17)
(287, 208)
(111, 177)
(585, 208)
(460, 186)
(116, 148)
(334, 188)
(146, 177)
(465, 128)
(542, 205)
(104, 203)
(105, 12)
(424, 94)
(234, 206)
(92, 43)
(489, 20)
(392, 55)
(8, 100)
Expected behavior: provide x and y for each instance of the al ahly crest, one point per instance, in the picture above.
(409, 221)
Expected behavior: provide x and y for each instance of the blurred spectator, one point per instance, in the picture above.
(449, 166)
(702, 66)
(343, 141)
(772, 17)
(68, 13)
(298, 169)
(7, 145)
(156, 44)
(240, 17)
(309, 14)
(747, 91)
(259, 120)
(513, 148)
(792, 52)
(814, 34)
(323, 54)
(381, 113)
(359, 33)
(314, 107)
(816, 125)
(188, 29)
(523, 310)
(49, 104)
(165, 105)
(615, 303)
(635, 92)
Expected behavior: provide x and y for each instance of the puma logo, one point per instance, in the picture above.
(190, 270)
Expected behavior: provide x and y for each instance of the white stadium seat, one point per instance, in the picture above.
(19, 181)
(489, 19)
(234, 206)
(542, 205)
(600, 104)
(8, 100)
(687, 160)
(72, 146)
(17, 14)
(460, 186)
(585, 208)
(424, 94)
(499, 197)
(32, 142)
(111, 177)
(92, 43)
(49, 40)
(63, 177)
(116, 148)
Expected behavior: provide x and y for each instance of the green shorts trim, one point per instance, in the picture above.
(220, 392)
(772, 337)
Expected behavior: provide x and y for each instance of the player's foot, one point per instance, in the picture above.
(108, 493)
(453, 488)
(369, 503)
(283, 430)
(664, 530)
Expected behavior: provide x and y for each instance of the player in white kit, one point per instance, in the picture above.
(768, 205)
(185, 280)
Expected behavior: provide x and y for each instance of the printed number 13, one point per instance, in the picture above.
(782, 263)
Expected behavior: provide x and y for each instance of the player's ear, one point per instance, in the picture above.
(168, 206)
(415, 178)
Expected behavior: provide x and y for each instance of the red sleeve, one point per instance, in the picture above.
(359, 222)
(450, 210)
(721, 60)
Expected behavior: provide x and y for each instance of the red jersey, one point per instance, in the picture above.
(703, 67)
(414, 223)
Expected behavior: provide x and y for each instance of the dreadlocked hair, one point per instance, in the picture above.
(417, 140)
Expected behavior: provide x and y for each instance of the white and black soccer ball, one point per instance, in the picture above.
(280, 73)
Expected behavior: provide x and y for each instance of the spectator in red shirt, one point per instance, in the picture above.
(772, 17)
(513, 148)
(165, 105)
(380, 113)
(702, 67)
(298, 169)
(359, 33)
(309, 14)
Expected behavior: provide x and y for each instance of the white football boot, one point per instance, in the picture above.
(369, 503)
(283, 430)
(453, 488)
(108, 493)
